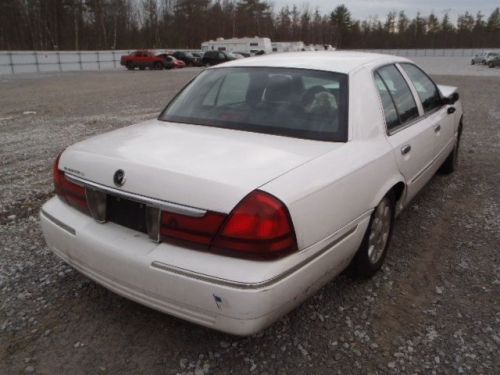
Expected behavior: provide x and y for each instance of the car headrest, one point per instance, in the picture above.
(279, 89)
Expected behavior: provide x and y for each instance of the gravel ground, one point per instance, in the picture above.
(433, 309)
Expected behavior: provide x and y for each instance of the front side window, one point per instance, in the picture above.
(400, 93)
(426, 88)
(284, 101)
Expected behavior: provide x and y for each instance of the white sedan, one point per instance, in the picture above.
(260, 181)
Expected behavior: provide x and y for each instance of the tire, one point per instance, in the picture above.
(158, 66)
(130, 66)
(450, 165)
(472, 62)
(491, 65)
(373, 249)
(142, 68)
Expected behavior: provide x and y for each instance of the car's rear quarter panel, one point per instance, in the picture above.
(342, 187)
(336, 190)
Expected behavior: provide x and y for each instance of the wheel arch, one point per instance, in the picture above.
(397, 186)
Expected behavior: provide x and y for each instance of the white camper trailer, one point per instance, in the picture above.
(249, 45)
(288, 46)
(319, 47)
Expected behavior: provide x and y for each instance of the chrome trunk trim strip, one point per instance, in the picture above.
(153, 202)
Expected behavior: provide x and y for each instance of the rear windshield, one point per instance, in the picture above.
(290, 102)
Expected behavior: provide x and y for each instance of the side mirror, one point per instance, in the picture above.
(452, 99)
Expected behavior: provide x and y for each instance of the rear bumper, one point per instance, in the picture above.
(156, 275)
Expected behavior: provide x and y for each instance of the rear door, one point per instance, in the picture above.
(410, 134)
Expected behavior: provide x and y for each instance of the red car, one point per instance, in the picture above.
(175, 63)
(143, 59)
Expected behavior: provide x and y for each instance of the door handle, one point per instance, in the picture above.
(405, 149)
(437, 128)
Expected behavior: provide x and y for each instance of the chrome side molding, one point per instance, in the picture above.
(58, 222)
(241, 285)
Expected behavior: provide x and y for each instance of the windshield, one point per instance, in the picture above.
(290, 102)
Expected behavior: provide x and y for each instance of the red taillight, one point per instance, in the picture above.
(68, 191)
(199, 230)
(260, 224)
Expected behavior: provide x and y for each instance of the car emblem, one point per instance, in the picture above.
(119, 177)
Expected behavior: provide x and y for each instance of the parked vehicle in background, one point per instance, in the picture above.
(172, 61)
(244, 54)
(188, 58)
(259, 182)
(216, 57)
(143, 59)
(482, 58)
(494, 60)
(238, 55)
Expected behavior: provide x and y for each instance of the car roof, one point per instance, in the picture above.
(333, 61)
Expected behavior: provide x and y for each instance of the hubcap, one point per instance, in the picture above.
(379, 231)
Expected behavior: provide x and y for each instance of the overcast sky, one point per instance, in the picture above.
(362, 9)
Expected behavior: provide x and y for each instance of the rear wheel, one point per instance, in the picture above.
(142, 67)
(371, 254)
(472, 62)
(158, 66)
(490, 64)
(130, 66)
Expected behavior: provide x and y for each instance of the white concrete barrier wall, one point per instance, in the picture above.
(17, 62)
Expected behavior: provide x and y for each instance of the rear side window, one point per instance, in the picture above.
(400, 93)
(426, 88)
(391, 114)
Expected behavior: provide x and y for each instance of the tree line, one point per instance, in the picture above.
(129, 24)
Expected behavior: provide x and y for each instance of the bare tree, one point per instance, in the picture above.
(104, 24)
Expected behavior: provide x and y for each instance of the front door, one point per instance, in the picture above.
(434, 109)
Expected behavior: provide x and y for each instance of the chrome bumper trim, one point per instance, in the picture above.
(58, 222)
(259, 285)
(161, 204)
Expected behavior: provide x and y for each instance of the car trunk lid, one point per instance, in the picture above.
(196, 166)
